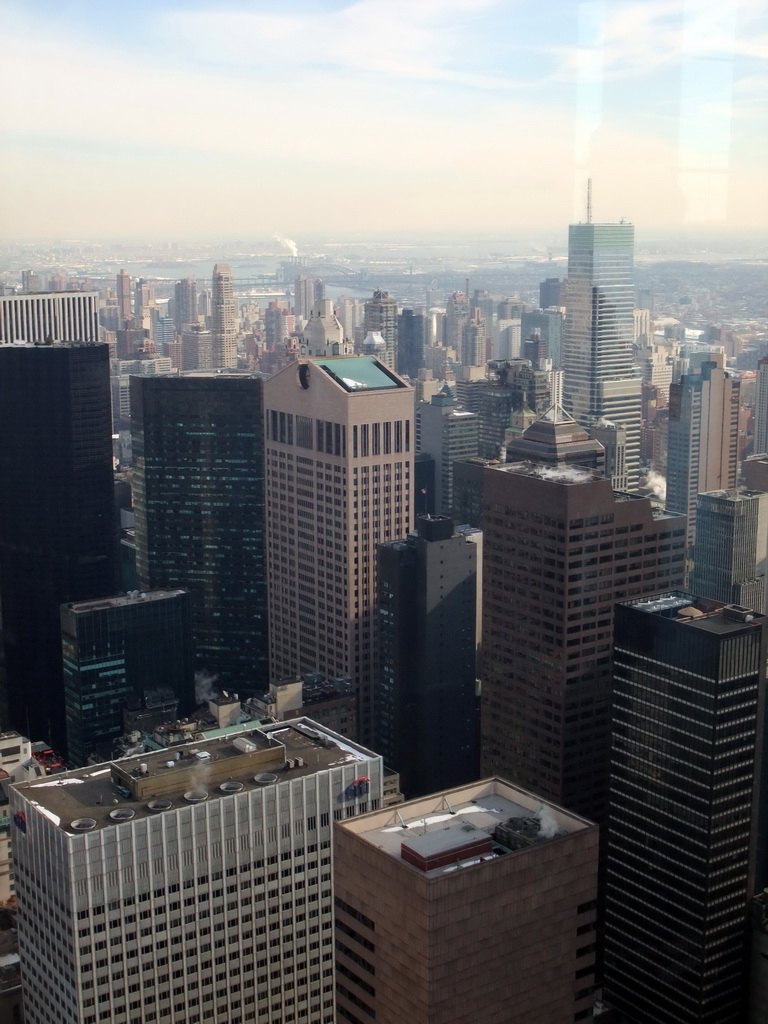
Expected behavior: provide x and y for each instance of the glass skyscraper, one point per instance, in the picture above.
(198, 445)
(602, 383)
(58, 538)
(686, 849)
(117, 649)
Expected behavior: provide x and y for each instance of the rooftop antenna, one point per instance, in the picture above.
(589, 200)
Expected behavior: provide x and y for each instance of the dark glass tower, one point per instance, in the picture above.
(58, 537)
(601, 380)
(411, 338)
(685, 850)
(198, 447)
(427, 711)
(118, 649)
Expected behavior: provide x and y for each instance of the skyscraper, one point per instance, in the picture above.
(303, 296)
(205, 873)
(427, 711)
(761, 409)
(601, 380)
(124, 298)
(199, 499)
(514, 385)
(549, 324)
(411, 338)
(560, 548)
(473, 340)
(58, 537)
(549, 292)
(223, 317)
(447, 434)
(731, 539)
(339, 466)
(185, 298)
(118, 649)
(683, 823)
(381, 318)
(472, 904)
(703, 437)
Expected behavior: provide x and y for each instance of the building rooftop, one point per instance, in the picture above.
(700, 613)
(359, 373)
(246, 757)
(561, 474)
(464, 827)
(121, 600)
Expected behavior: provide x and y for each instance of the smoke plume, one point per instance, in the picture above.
(657, 484)
(204, 686)
(547, 823)
(288, 244)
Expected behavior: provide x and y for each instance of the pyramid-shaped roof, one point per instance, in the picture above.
(556, 437)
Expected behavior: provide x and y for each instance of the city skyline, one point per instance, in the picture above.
(661, 105)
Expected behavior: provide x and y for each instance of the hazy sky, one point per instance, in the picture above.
(205, 118)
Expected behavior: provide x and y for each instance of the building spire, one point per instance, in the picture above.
(589, 200)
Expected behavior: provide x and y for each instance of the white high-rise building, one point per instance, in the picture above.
(188, 885)
(223, 317)
(43, 316)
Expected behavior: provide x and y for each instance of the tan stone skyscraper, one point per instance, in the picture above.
(123, 292)
(339, 471)
(224, 317)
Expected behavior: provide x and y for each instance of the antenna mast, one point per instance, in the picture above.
(589, 200)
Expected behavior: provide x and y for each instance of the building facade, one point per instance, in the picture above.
(702, 437)
(447, 434)
(190, 884)
(339, 470)
(47, 317)
(427, 711)
(124, 295)
(561, 547)
(185, 303)
(223, 317)
(683, 853)
(483, 909)
(121, 649)
(198, 447)
(514, 386)
(411, 339)
(731, 539)
(380, 317)
(601, 379)
(58, 533)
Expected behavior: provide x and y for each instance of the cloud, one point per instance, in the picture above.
(637, 38)
(419, 40)
(374, 116)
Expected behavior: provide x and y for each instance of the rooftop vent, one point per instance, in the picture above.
(231, 787)
(121, 814)
(156, 806)
(264, 778)
(196, 796)
(83, 824)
